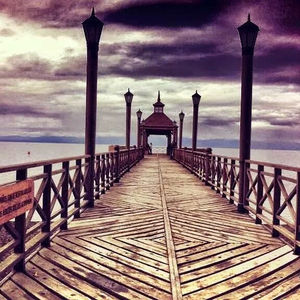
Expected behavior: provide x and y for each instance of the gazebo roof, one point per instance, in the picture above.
(158, 120)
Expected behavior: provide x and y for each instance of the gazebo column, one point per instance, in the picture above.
(169, 144)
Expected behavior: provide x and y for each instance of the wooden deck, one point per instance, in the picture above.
(160, 234)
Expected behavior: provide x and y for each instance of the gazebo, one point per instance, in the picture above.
(158, 123)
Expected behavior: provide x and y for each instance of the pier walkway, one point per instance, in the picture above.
(160, 234)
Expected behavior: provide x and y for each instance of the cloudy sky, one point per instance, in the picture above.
(172, 46)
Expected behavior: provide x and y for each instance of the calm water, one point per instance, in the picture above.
(14, 153)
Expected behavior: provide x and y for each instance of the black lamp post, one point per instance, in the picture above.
(92, 29)
(128, 99)
(181, 117)
(196, 100)
(139, 116)
(248, 33)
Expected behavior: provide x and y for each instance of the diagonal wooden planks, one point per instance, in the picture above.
(160, 234)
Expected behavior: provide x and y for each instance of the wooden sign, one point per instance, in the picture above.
(15, 199)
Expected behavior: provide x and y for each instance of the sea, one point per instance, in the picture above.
(24, 152)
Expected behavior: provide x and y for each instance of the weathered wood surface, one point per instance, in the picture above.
(160, 234)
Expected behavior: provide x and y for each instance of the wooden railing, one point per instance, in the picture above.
(63, 189)
(272, 191)
(273, 196)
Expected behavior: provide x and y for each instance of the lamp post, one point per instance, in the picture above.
(139, 116)
(181, 117)
(196, 100)
(92, 30)
(248, 33)
(128, 99)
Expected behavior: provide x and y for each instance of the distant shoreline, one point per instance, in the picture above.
(212, 143)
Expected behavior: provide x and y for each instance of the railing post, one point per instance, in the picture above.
(107, 171)
(297, 219)
(117, 163)
(77, 188)
(232, 180)
(97, 177)
(242, 189)
(112, 166)
(47, 205)
(259, 193)
(65, 195)
(246, 186)
(213, 172)
(90, 181)
(224, 177)
(20, 226)
(128, 159)
(276, 201)
(218, 175)
(103, 171)
(207, 169)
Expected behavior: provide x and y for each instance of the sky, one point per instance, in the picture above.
(176, 47)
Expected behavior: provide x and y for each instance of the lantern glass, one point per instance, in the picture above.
(128, 97)
(196, 98)
(248, 34)
(139, 114)
(92, 29)
(181, 116)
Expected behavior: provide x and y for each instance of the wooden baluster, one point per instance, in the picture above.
(107, 171)
(259, 193)
(77, 188)
(117, 163)
(224, 177)
(112, 166)
(218, 175)
(246, 186)
(276, 201)
(213, 172)
(97, 177)
(232, 181)
(207, 168)
(47, 205)
(90, 181)
(20, 226)
(103, 171)
(297, 220)
(65, 195)
(128, 160)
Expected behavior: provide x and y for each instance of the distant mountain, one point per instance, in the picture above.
(113, 140)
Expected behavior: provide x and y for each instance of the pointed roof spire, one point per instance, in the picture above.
(249, 17)
(158, 96)
(93, 11)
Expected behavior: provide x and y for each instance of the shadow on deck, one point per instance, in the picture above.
(160, 234)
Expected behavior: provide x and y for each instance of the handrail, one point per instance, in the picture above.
(272, 197)
(35, 164)
(272, 165)
(63, 189)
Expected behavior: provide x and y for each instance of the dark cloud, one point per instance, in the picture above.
(288, 123)
(168, 14)
(218, 122)
(26, 110)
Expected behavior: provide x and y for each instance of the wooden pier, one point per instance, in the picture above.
(160, 233)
